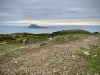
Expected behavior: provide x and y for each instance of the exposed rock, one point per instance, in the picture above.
(94, 56)
(73, 56)
(86, 53)
(3, 43)
(50, 39)
(15, 62)
(98, 47)
(96, 74)
(42, 44)
(27, 41)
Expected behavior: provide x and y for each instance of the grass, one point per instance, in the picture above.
(94, 63)
(68, 38)
(60, 54)
(93, 60)
(9, 47)
(15, 44)
(12, 49)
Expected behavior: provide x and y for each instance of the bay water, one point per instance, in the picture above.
(49, 29)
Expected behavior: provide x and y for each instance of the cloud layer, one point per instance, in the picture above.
(50, 11)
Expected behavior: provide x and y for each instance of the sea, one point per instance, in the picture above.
(49, 29)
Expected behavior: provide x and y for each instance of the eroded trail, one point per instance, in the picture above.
(56, 59)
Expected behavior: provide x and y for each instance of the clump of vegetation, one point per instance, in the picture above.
(96, 32)
(72, 31)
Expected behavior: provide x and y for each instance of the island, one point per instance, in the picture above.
(34, 26)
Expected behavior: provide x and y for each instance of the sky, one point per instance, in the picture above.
(50, 12)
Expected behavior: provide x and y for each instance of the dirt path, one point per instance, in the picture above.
(57, 59)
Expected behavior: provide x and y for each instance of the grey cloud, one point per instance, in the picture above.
(49, 9)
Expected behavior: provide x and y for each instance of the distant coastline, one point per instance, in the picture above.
(49, 29)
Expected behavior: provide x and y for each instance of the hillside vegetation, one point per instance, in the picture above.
(71, 52)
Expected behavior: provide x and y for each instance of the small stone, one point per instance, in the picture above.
(86, 53)
(96, 74)
(73, 56)
(94, 56)
(77, 74)
(15, 62)
(50, 39)
(98, 47)
(13, 58)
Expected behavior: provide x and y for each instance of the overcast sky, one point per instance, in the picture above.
(50, 12)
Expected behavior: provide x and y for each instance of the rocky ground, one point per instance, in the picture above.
(52, 59)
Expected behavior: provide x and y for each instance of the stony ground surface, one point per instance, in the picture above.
(55, 59)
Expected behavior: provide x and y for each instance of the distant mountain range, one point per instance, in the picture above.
(34, 26)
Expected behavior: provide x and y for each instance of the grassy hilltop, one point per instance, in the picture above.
(66, 52)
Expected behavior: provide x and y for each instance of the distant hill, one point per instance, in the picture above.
(35, 26)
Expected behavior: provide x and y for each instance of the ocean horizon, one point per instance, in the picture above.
(50, 29)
